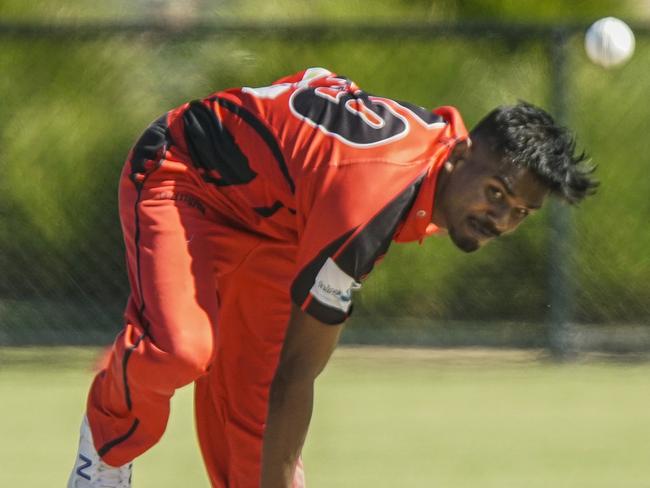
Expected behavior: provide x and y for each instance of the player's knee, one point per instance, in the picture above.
(185, 354)
(163, 368)
(171, 356)
(192, 358)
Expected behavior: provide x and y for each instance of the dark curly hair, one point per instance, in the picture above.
(526, 135)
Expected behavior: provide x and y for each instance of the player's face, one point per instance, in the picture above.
(484, 198)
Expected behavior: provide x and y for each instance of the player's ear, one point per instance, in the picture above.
(458, 154)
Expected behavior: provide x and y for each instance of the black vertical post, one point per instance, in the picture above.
(560, 292)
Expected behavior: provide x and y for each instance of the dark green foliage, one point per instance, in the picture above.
(71, 109)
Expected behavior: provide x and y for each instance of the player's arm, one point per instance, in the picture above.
(307, 347)
(347, 226)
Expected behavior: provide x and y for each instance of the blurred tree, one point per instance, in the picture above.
(527, 10)
(72, 108)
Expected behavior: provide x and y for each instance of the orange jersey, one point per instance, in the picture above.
(243, 202)
(313, 160)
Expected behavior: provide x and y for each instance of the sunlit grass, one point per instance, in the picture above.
(383, 418)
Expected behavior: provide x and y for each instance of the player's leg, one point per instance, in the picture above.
(232, 400)
(168, 337)
(167, 341)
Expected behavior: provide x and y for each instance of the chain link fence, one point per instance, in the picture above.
(76, 96)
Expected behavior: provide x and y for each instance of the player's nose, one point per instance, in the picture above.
(500, 222)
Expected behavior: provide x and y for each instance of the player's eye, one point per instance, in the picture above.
(522, 212)
(494, 194)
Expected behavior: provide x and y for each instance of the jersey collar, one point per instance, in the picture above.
(417, 225)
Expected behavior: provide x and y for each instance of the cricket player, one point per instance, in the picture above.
(250, 217)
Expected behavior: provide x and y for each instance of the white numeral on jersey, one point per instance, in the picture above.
(268, 92)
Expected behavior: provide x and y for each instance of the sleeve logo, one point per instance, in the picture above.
(333, 287)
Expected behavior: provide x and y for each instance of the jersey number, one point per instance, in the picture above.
(341, 110)
(353, 117)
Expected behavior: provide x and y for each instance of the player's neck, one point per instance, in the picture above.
(437, 215)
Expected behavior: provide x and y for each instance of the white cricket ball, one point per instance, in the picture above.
(609, 42)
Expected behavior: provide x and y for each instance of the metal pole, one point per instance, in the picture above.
(560, 291)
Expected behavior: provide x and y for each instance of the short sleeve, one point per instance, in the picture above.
(348, 220)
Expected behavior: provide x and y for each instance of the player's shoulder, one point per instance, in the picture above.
(307, 75)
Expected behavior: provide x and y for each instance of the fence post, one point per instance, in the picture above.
(560, 291)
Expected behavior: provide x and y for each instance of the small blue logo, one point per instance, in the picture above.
(86, 464)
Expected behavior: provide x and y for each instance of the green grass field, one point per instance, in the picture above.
(383, 418)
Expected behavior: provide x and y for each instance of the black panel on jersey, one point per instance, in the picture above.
(326, 314)
(361, 253)
(422, 113)
(307, 277)
(150, 145)
(359, 256)
(269, 211)
(336, 119)
(263, 132)
(212, 147)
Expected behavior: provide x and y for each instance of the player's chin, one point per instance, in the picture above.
(465, 242)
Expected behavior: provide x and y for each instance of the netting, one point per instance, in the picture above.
(75, 100)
